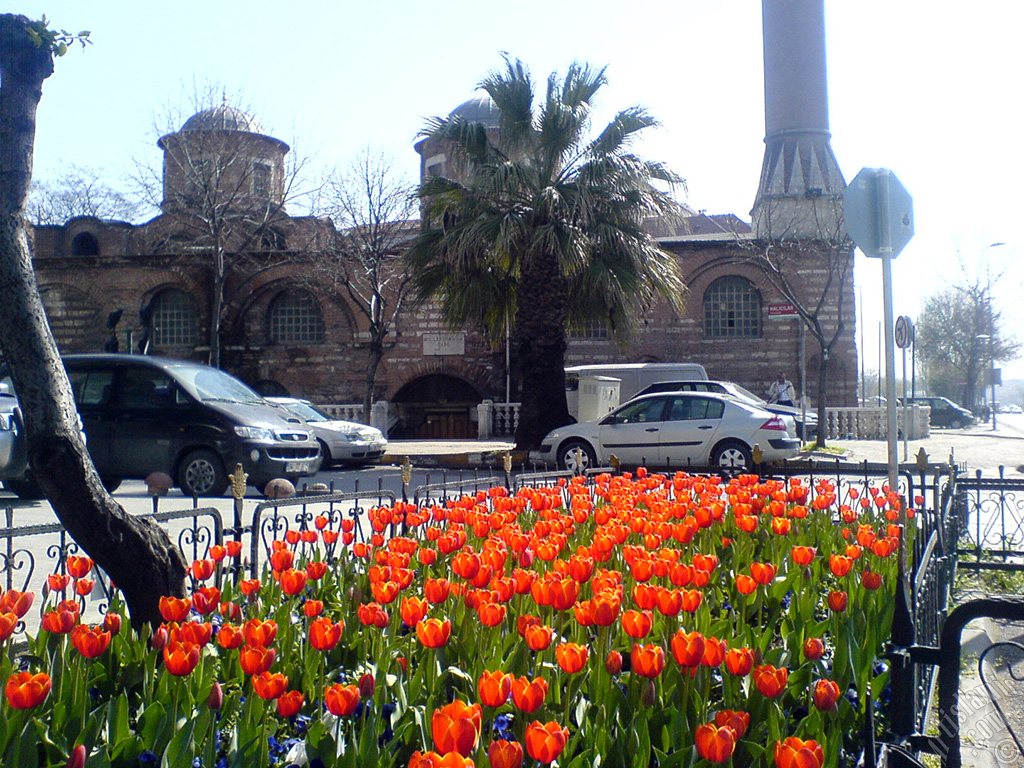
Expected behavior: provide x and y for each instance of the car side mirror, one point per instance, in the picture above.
(612, 419)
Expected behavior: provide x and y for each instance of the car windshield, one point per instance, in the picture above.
(305, 411)
(208, 384)
(746, 394)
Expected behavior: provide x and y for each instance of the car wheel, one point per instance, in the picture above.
(26, 488)
(110, 484)
(731, 454)
(956, 424)
(576, 456)
(202, 474)
(325, 453)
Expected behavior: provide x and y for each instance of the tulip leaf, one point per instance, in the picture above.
(180, 750)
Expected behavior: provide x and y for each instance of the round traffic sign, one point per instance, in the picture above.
(904, 331)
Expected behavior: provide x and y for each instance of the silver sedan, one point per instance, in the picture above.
(341, 442)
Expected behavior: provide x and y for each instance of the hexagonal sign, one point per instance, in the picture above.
(879, 212)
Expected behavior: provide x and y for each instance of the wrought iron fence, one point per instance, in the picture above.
(992, 526)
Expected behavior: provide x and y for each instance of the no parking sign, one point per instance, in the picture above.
(904, 332)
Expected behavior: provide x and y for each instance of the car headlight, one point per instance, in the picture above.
(262, 434)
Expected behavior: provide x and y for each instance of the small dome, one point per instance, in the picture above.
(479, 109)
(222, 118)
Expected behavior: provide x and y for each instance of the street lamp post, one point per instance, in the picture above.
(991, 334)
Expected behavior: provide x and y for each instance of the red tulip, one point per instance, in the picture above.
(745, 585)
(256, 659)
(771, 681)
(613, 664)
(269, 686)
(58, 582)
(203, 569)
(826, 695)
(794, 753)
(739, 661)
(738, 721)
(293, 581)
(763, 573)
(372, 615)
(715, 744)
(871, 580)
(261, 633)
(367, 685)
(648, 660)
(341, 700)
(289, 703)
(545, 741)
(413, 610)
(8, 623)
(688, 649)
(433, 633)
(230, 637)
(714, 652)
(77, 757)
(59, 622)
(838, 601)
(814, 649)
(25, 690)
(90, 641)
(456, 727)
(324, 634)
(436, 590)
(571, 657)
(79, 566)
(112, 622)
(529, 695)
(840, 565)
(175, 608)
(637, 623)
(538, 636)
(216, 698)
(494, 688)
(181, 658)
(313, 608)
(505, 754)
(802, 555)
(18, 603)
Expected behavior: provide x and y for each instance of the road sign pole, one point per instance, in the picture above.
(890, 371)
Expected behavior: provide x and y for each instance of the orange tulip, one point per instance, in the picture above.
(175, 608)
(802, 555)
(250, 587)
(205, 600)
(180, 657)
(269, 686)
(79, 566)
(738, 721)
(341, 700)
(826, 695)
(838, 601)
(59, 622)
(840, 565)
(256, 659)
(289, 703)
(230, 636)
(8, 623)
(529, 695)
(814, 649)
(545, 741)
(637, 623)
(739, 661)
(456, 727)
(571, 657)
(648, 660)
(413, 610)
(763, 573)
(505, 754)
(260, 633)
(494, 688)
(25, 690)
(433, 633)
(692, 598)
(436, 590)
(313, 608)
(688, 649)
(715, 744)
(491, 614)
(794, 753)
(58, 582)
(714, 652)
(18, 603)
(293, 581)
(745, 585)
(324, 634)
(538, 636)
(771, 681)
(203, 569)
(90, 641)
(871, 580)
(315, 570)
(372, 615)
(613, 664)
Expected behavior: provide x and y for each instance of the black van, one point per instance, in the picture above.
(144, 414)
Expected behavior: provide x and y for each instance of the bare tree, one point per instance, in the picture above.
(223, 188)
(135, 552)
(78, 192)
(809, 260)
(373, 206)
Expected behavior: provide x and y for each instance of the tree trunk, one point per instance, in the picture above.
(374, 355)
(217, 305)
(823, 398)
(540, 343)
(135, 552)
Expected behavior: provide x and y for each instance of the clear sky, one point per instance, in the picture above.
(928, 90)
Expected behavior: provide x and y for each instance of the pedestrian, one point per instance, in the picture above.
(782, 391)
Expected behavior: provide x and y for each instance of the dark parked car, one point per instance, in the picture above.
(144, 414)
(945, 413)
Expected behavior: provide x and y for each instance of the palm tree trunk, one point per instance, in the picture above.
(540, 344)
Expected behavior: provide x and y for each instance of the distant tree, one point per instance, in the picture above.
(135, 552)
(78, 192)
(223, 186)
(373, 207)
(545, 218)
(959, 334)
(810, 240)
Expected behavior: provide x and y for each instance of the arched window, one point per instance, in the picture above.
(732, 308)
(85, 244)
(295, 319)
(172, 319)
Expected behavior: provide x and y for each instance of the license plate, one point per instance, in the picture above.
(297, 466)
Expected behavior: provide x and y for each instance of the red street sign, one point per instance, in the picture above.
(782, 310)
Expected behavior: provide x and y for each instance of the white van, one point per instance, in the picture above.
(634, 377)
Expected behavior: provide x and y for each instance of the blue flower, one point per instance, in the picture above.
(147, 758)
(503, 726)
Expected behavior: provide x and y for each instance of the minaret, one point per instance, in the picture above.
(801, 188)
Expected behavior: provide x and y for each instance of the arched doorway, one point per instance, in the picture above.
(436, 406)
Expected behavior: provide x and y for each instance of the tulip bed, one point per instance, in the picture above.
(632, 620)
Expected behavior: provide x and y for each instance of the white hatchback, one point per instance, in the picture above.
(341, 442)
(674, 430)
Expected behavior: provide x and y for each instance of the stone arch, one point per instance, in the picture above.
(76, 319)
(436, 402)
(85, 244)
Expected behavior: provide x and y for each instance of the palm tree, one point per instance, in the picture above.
(538, 224)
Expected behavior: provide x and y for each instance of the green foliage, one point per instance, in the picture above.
(57, 41)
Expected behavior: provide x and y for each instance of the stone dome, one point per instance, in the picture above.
(479, 109)
(222, 118)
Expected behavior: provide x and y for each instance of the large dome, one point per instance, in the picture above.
(479, 109)
(223, 118)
